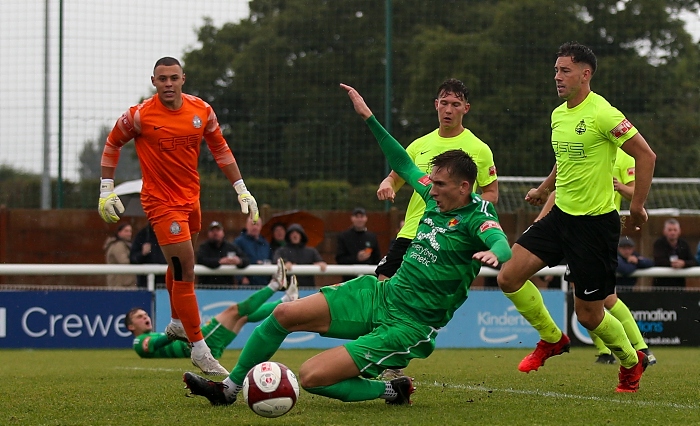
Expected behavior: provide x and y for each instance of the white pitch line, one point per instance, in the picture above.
(566, 395)
(150, 369)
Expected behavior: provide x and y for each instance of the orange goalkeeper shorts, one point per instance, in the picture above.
(173, 224)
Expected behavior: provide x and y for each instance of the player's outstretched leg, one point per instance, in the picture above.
(211, 390)
(544, 351)
(629, 377)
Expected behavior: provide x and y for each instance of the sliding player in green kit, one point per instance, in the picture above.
(387, 322)
(220, 331)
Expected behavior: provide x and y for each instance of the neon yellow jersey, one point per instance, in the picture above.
(423, 149)
(623, 171)
(585, 140)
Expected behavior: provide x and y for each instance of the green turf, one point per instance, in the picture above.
(460, 387)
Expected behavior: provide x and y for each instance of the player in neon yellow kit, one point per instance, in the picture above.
(623, 184)
(451, 104)
(584, 225)
(387, 323)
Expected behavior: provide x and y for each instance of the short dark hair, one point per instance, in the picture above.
(454, 86)
(167, 61)
(458, 164)
(128, 318)
(578, 53)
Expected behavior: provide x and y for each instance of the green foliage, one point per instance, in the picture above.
(324, 195)
(273, 78)
(454, 387)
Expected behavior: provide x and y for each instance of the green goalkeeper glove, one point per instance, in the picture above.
(246, 200)
(109, 202)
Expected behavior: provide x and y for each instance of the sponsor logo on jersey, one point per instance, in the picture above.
(454, 221)
(175, 228)
(622, 128)
(425, 180)
(197, 122)
(492, 171)
(489, 224)
(630, 171)
(580, 128)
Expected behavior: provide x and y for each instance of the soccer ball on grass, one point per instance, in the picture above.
(270, 389)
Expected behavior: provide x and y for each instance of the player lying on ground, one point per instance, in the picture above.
(219, 332)
(387, 322)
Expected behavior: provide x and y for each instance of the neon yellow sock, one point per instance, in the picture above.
(623, 314)
(612, 333)
(528, 301)
(599, 345)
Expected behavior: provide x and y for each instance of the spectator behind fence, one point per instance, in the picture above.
(629, 261)
(279, 233)
(146, 250)
(256, 248)
(672, 250)
(295, 252)
(216, 251)
(117, 249)
(357, 245)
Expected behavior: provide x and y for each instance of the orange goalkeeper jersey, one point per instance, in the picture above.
(168, 145)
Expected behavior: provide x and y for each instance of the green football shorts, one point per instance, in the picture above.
(217, 337)
(382, 337)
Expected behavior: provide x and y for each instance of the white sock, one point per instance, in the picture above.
(176, 321)
(274, 285)
(389, 392)
(231, 388)
(286, 298)
(199, 346)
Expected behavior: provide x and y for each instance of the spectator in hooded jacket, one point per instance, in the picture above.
(295, 252)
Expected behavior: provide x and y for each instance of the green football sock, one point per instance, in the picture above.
(528, 301)
(263, 312)
(352, 390)
(602, 349)
(611, 332)
(262, 344)
(254, 302)
(623, 314)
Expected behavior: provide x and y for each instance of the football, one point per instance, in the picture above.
(270, 389)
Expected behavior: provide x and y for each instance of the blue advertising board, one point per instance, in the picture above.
(68, 319)
(486, 320)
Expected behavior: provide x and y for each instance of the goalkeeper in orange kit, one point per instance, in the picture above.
(167, 130)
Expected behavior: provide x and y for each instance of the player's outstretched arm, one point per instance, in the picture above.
(358, 102)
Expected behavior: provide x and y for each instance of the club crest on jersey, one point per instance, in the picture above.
(197, 122)
(622, 128)
(454, 221)
(175, 228)
(580, 128)
(425, 180)
(489, 224)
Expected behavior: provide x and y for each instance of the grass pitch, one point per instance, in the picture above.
(454, 387)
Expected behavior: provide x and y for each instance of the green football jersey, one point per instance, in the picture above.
(623, 171)
(585, 140)
(437, 269)
(157, 345)
(423, 149)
